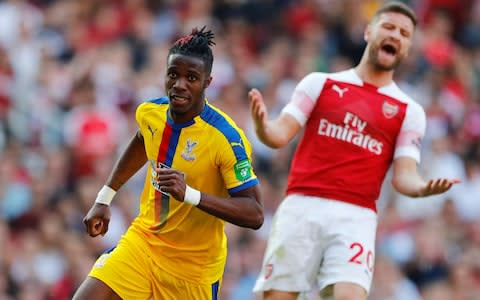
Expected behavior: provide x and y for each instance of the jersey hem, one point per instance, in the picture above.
(370, 204)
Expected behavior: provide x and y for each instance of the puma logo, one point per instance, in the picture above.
(339, 90)
(239, 144)
(152, 131)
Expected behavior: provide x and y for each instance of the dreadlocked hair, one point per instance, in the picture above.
(196, 44)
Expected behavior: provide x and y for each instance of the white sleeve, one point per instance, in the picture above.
(305, 96)
(409, 139)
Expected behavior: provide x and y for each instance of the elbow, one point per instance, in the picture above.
(273, 141)
(277, 144)
(397, 185)
(257, 218)
(249, 219)
(252, 215)
(258, 221)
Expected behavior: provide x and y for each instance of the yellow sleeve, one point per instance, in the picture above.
(236, 163)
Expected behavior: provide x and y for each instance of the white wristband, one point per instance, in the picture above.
(105, 195)
(192, 196)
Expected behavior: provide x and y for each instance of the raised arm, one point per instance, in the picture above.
(407, 181)
(273, 133)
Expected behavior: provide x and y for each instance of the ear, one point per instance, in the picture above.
(207, 82)
(367, 32)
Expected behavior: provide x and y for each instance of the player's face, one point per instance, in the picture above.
(389, 39)
(185, 84)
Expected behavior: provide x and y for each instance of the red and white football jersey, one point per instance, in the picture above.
(353, 131)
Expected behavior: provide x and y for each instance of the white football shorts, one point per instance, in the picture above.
(316, 242)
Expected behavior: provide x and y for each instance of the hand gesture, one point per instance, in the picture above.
(438, 186)
(257, 108)
(97, 219)
(172, 182)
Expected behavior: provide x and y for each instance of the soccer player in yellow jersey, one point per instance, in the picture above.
(199, 175)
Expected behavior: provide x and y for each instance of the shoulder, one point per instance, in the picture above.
(148, 107)
(153, 104)
(346, 76)
(317, 80)
(413, 108)
(224, 132)
(219, 120)
(313, 79)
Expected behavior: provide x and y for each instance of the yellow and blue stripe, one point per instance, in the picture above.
(218, 121)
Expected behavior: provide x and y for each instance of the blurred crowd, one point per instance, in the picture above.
(72, 73)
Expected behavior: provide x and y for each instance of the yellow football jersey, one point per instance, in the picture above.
(215, 157)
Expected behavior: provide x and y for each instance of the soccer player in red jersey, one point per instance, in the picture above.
(356, 124)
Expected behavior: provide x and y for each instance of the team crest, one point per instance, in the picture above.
(187, 152)
(389, 110)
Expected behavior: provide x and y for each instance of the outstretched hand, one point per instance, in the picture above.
(97, 219)
(438, 186)
(258, 109)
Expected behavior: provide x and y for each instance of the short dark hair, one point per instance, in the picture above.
(196, 44)
(397, 7)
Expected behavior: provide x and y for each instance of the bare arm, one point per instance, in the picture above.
(273, 133)
(407, 181)
(243, 208)
(131, 160)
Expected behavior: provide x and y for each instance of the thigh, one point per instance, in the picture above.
(93, 288)
(279, 295)
(350, 252)
(125, 270)
(347, 290)
(294, 248)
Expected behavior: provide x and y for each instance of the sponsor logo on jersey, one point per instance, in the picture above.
(339, 90)
(152, 131)
(154, 180)
(239, 144)
(351, 132)
(389, 109)
(187, 152)
(243, 170)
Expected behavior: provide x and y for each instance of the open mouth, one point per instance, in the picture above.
(177, 99)
(389, 49)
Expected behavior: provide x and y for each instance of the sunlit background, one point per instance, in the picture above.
(72, 73)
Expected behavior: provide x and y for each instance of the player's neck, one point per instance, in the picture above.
(182, 118)
(374, 76)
